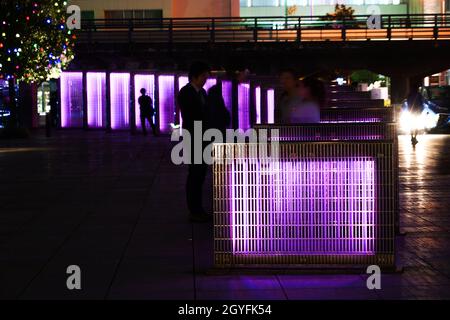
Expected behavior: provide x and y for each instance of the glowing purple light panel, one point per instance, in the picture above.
(166, 102)
(244, 106)
(303, 207)
(146, 81)
(120, 100)
(258, 104)
(96, 99)
(270, 106)
(71, 99)
(210, 83)
(227, 92)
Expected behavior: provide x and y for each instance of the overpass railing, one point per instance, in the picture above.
(264, 29)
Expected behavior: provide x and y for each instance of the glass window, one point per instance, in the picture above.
(87, 15)
(128, 14)
(275, 3)
(153, 14)
(266, 3)
(138, 14)
(113, 14)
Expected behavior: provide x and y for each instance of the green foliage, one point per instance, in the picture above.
(366, 76)
(35, 42)
(341, 12)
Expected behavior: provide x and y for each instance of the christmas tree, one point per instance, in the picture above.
(35, 44)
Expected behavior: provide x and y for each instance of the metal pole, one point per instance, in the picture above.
(285, 14)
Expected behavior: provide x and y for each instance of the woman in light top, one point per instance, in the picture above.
(312, 94)
(289, 99)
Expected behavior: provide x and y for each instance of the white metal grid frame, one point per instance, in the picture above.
(357, 115)
(325, 203)
(330, 132)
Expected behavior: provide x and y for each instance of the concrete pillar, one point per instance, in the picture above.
(399, 88)
(432, 6)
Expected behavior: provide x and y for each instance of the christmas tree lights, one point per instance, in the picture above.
(35, 42)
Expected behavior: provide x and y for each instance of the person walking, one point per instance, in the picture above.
(192, 100)
(147, 112)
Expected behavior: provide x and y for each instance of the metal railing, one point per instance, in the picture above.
(263, 29)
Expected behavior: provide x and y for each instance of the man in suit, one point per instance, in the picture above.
(192, 100)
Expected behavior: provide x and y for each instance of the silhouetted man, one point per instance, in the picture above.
(218, 115)
(192, 100)
(147, 111)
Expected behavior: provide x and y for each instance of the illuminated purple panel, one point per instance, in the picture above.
(96, 99)
(71, 99)
(227, 92)
(182, 81)
(244, 106)
(270, 106)
(120, 100)
(166, 102)
(258, 104)
(146, 81)
(209, 83)
(303, 207)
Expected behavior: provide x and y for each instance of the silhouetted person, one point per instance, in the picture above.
(218, 115)
(192, 100)
(415, 107)
(147, 111)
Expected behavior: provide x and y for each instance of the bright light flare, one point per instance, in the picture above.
(425, 121)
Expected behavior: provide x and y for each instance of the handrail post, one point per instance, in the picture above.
(213, 30)
(343, 30)
(130, 30)
(389, 29)
(299, 29)
(255, 30)
(170, 32)
(436, 27)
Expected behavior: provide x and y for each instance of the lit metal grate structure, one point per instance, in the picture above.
(244, 106)
(120, 101)
(270, 105)
(330, 132)
(96, 99)
(327, 202)
(147, 82)
(71, 99)
(357, 115)
(166, 85)
(227, 92)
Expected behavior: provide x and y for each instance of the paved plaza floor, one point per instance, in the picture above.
(114, 205)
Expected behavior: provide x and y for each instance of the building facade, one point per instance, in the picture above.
(126, 9)
(322, 7)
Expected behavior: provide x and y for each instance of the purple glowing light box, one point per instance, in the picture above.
(270, 106)
(182, 81)
(227, 91)
(303, 207)
(258, 104)
(120, 100)
(147, 82)
(166, 93)
(71, 99)
(244, 106)
(96, 99)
